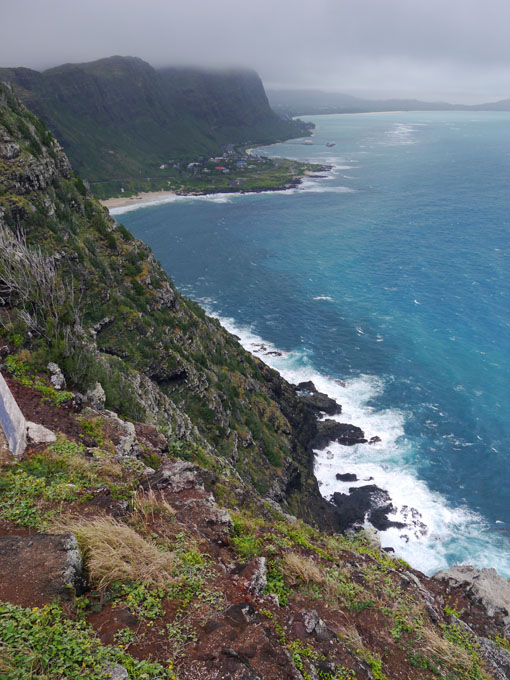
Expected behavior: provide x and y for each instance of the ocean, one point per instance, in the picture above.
(386, 282)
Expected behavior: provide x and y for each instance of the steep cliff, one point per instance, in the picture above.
(120, 118)
(156, 353)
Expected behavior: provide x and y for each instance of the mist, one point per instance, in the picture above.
(454, 51)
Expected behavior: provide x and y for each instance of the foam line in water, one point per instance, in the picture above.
(308, 185)
(437, 534)
(171, 198)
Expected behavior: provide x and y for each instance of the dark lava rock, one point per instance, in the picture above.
(315, 400)
(374, 440)
(365, 502)
(241, 614)
(36, 569)
(307, 386)
(347, 477)
(330, 431)
(321, 403)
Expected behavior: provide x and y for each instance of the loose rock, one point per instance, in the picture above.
(330, 431)
(57, 377)
(38, 434)
(96, 397)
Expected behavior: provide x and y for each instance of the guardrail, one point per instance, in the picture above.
(12, 420)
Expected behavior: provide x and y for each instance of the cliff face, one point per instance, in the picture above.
(157, 355)
(120, 118)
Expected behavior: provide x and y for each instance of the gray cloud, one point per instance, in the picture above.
(430, 48)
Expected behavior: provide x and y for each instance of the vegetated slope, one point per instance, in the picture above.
(178, 587)
(120, 118)
(106, 311)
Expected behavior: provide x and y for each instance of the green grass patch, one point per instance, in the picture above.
(44, 644)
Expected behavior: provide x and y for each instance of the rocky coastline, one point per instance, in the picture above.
(148, 198)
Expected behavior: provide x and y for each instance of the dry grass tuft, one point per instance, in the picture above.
(451, 655)
(147, 503)
(299, 569)
(115, 552)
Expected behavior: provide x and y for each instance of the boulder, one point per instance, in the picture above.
(306, 386)
(96, 397)
(347, 477)
(38, 434)
(36, 569)
(149, 436)
(115, 672)
(497, 657)
(310, 620)
(331, 431)
(177, 476)
(56, 376)
(255, 574)
(321, 403)
(485, 587)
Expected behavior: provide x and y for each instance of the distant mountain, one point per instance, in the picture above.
(120, 117)
(311, 102)
(503, 105)
(302, 102)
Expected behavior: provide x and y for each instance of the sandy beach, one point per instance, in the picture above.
(143, 197)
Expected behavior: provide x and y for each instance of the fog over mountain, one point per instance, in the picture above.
(455, 51)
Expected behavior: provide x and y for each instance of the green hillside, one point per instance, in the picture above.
(119, 118)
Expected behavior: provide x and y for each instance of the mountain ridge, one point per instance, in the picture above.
(316, 102)
(118, 117)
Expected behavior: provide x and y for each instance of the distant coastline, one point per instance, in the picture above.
(156, 197)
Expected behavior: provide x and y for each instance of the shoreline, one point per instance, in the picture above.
(155, 197)
(140, 199)
(163, 196)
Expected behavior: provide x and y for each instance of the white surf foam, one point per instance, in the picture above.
(172, 198)
(400, 134)
(437, 534)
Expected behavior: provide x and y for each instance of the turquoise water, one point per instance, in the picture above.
(389, 274)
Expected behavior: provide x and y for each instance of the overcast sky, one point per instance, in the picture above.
(455, 50)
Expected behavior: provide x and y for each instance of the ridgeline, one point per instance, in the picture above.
(125, 124)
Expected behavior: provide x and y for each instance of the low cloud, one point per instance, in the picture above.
(451, 50)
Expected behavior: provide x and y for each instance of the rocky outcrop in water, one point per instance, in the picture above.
(342, 433)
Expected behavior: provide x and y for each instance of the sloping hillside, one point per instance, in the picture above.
(120, 118)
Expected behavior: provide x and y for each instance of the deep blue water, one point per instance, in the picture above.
(392, 274)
